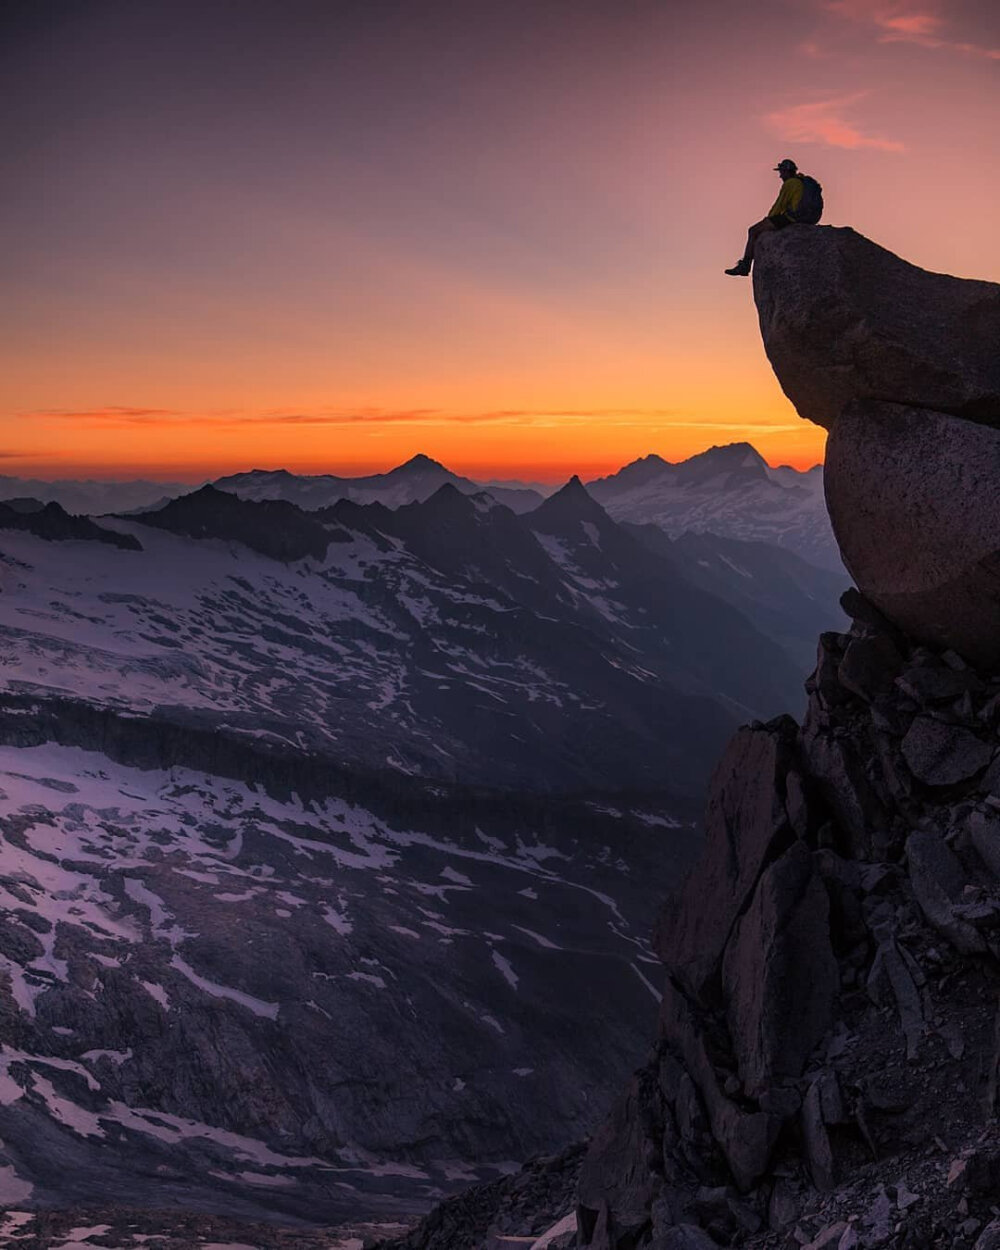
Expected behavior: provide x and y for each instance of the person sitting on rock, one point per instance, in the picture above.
(786, 210)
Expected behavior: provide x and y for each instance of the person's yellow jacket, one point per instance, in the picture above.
(788, 197)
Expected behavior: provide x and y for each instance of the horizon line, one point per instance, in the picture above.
(547, 473)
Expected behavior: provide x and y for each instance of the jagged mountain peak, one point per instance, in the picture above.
(730, 453)
(646, 465)
(635, 473)
(731, 491)
(570, 506)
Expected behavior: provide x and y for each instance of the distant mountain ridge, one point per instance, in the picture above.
(411, 482)
(730, 491)
(54, 523)
(379, 634)
(91, 496)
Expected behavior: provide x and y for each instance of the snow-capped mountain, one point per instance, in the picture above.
(730, 491)
(444, 639)
(412, 482)
(321, 829)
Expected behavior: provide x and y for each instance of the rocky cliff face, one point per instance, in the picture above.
(826, 1061)
(825, 1071)
(826, 1044)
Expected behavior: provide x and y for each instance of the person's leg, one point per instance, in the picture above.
(742, 266)
(753, 234)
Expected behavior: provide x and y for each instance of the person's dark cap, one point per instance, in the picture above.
(786, 164)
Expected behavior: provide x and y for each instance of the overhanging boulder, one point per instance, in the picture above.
(914, 497)
(845, 319)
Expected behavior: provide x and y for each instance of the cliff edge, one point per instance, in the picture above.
(902, 367)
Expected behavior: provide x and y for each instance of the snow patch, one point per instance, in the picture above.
(503, 966)
(257, 1005)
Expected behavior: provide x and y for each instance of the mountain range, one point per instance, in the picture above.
(412, 482)
(729, 491)
(332, 837)
(449, 638)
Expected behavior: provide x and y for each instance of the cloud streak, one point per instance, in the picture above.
(899, 22)
(124, 417)
(827, 121)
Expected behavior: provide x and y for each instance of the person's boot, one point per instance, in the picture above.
(740, 270)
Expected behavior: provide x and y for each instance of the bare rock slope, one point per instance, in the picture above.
(826, 1053)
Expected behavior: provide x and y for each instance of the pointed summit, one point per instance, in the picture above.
(446, 504)
(420, 464)
(568, 508)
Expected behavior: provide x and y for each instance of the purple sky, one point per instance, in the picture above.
(332, 234)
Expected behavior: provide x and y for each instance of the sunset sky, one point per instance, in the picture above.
(327, 234)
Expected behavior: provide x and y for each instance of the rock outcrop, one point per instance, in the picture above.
(844, 319)
(902, 367)
(827, 1052)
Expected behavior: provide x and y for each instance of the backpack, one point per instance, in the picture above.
(810, 208)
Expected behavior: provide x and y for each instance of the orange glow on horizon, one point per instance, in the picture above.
(586, 428)
(519, 283)
(549, 471)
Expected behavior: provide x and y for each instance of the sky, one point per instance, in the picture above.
(327, 236)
